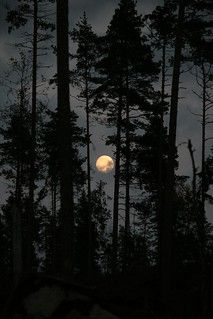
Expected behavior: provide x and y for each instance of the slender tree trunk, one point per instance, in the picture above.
(53, 226)
(203, 174)
(17, 210)
(116, 189)
(30, 212)
(194, 186)
(201, 210)
(202, 217)
(17, 228)
(127, 171)
(169, 204)
(88, 179)
(65, 140)
(160, 152)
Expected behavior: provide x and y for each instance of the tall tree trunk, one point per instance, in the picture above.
(17, 210)
(116, 189)
(201, 217)
(88, 179)
(127, 186)
(30, 212)
(169, 204)
(160, 152)
(203, 161)
(65, 140)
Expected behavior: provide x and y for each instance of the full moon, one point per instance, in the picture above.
(104, 164)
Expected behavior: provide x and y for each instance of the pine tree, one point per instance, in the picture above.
(121, 67)
(7, 277)
(15, 149)
(149, 149)
(65, 140)
(100, 216)
(129, 68)
(25, 12)
(161, 23)
(177, 30)
(51, 219)
(86, 57)
(169, 196)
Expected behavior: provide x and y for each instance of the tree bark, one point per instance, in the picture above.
(65, 140)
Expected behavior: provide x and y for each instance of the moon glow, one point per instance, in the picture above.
(104, 164)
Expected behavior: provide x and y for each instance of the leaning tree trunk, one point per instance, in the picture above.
(169, 203)
(65, 140)
(30, 212)
(194, 172)
(116, 189)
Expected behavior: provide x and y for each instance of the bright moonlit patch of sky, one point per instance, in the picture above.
(99, 15)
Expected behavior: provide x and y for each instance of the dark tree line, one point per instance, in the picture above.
(54, 219)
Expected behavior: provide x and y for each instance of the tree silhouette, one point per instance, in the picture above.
(65, 140)
(51, 166)
(126, 89)
(86, 57)
(166, 245)
(15, 149)
(19, 17)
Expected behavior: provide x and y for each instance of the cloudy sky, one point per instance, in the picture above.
(99, 13)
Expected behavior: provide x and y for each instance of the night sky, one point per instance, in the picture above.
(99, 15)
